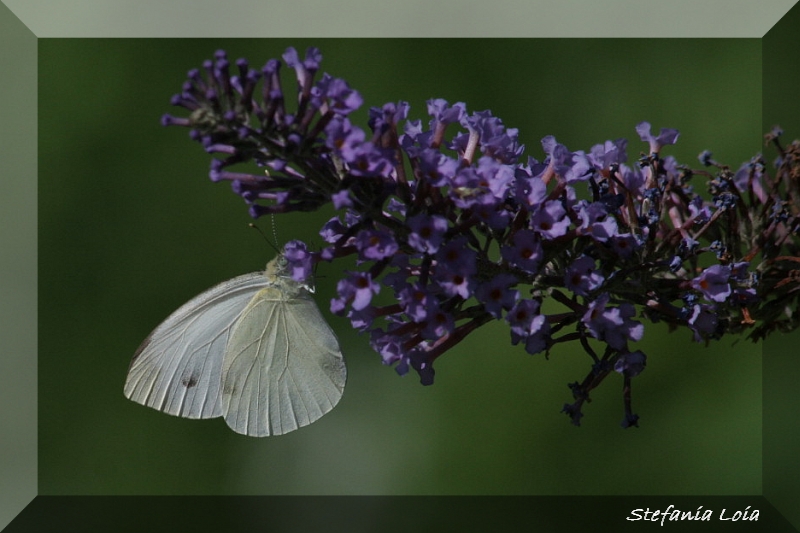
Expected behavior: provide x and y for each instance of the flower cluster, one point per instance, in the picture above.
(448, 218)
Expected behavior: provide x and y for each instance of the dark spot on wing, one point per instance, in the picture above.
(189, 382)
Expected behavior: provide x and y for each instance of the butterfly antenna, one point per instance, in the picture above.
(274, 228)
(264, 236)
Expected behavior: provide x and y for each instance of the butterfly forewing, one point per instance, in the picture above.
(178, 368)
(283, 368)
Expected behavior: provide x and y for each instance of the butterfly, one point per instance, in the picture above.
(254, 349)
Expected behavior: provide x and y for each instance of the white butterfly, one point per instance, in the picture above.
(254, 349)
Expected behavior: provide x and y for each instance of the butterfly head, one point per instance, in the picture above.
(279, 272)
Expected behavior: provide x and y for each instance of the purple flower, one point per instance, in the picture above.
(341, 199)
(455, 283)
(305, 69)
(530, 190)
(362, 319)
(633, 180)
(703, 321)
(631, 364)
(435, 168)
(437, 323)
(396, 206)
(602, 156)
(455, 267)
(528, 324)
(418, 359)
(370, 161)
(344, 138)
(581, 277)
(550, 220)
(457, 256)
(748, 178)
(363, 157)
(300, 260)
(496, 295)
(699, 211)
(525, 252)
(414, 138)
(416, 301)
(356, 290)
(580, 169)
(624, 244)
(494, 176)
(666, 136)
(491, 135)
(468, 189)
(687, 247)
(335, 94)
(673, 174)
(397, 279)
(595, 221)
(375, 244)
(539, 336)
(744, 296)
(713, 283)
(427, 232)
(744, 289)
(387, 346)
(559, 159)
(612, 324)
(443, 113)
(739, 271)
(386, 118)
(705, 158)
(333, 230)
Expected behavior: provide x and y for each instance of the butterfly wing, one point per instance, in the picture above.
(178, 367)
(283, 368)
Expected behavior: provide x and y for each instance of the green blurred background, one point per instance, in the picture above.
(130, 228)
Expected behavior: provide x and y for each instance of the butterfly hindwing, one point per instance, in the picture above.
(284, 368)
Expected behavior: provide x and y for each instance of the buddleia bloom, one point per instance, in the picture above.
(454, 225)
